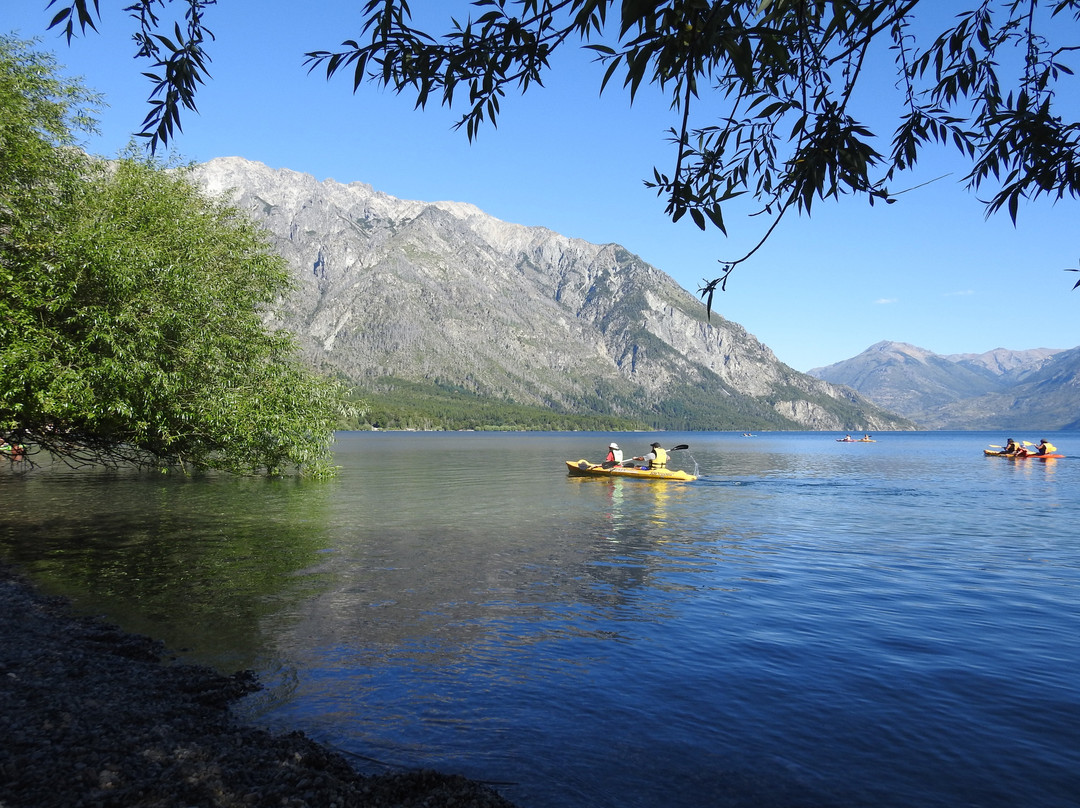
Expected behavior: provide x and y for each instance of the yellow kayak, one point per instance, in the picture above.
(583, 468)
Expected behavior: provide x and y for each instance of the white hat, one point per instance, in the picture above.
(613, 446)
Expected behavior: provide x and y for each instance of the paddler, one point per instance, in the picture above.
(614, 456)
(1045, 448)
(657, 458)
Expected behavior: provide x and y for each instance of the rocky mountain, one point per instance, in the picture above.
(1002, 360)
(443, 294)
(999, 389)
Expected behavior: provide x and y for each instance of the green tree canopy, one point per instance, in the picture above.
(132, 314)
(783, 83)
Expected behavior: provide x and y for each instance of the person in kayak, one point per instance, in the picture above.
(614, 456)
(1045, 448)
(657, 458)
(1011, 447)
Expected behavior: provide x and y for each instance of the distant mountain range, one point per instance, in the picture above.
(1000, 389)
(440, 296)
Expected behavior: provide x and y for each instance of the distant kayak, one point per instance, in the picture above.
(583, 468)
(1031, 456)
(855, 440)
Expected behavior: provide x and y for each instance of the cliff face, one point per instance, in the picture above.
(440, 292)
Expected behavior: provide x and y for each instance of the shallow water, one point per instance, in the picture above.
(810, 623)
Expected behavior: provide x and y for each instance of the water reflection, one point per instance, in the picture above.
(196, 562)
(810, 623)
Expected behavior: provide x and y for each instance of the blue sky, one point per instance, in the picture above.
(930, 270)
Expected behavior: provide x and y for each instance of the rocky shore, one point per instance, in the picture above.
(91, 717)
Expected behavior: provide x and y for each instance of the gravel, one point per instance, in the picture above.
(91, 716)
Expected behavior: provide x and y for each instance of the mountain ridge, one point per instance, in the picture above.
(1036, 388)
(442, 292)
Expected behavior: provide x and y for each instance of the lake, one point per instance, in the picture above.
(810, 623)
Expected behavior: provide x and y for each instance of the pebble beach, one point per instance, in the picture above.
(91, 716)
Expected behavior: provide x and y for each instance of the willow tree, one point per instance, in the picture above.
(787, 76)
(132, 309)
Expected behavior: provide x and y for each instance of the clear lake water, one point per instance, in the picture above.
(810, 623)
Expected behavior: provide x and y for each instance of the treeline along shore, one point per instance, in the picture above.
(92, 716)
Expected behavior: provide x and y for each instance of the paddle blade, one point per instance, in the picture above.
(680, 446)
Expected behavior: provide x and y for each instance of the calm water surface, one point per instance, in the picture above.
(811, 623)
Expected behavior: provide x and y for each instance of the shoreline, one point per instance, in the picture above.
(92, 716)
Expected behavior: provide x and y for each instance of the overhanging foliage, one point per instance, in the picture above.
(792, 130)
